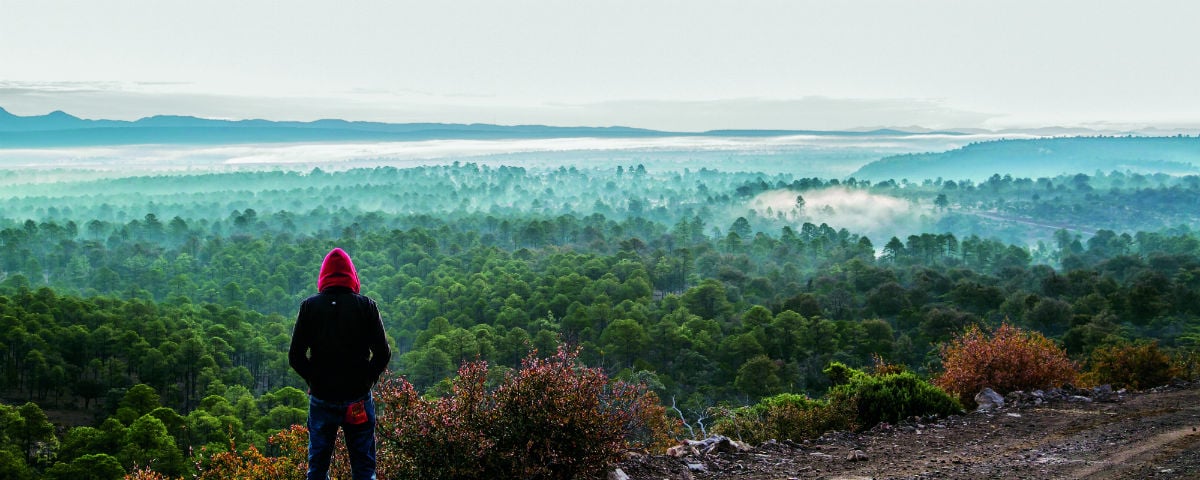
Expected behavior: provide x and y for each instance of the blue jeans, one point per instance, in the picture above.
(324, 418)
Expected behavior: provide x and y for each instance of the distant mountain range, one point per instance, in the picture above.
(1043, 157)
(60, 129)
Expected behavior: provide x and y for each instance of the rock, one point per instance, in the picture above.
(724, 445)
(988, 399)
(718, 444)
(1104, 393)
(1015, 397)
(617, 474)
(680, 451)
(1079, 399)
(697, 467)
(857, 456)
(741, 446)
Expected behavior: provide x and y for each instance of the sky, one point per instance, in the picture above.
(670, 65)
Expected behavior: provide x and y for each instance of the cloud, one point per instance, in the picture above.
(808, 113)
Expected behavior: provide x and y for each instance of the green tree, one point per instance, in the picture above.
(13, 466)
(33, 433)
(97, 466)
(759, 377)
(149, 445)
(708, 300)
(141, 399)
(624, 340)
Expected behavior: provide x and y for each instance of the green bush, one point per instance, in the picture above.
(856, 400)
(891, 397)
(785, 416)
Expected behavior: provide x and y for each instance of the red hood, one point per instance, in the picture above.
(338, 271)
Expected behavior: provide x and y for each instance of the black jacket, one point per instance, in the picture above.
(338, 344)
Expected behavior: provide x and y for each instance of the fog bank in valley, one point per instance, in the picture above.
(879, 217)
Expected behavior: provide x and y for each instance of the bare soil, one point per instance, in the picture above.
(1142, 435)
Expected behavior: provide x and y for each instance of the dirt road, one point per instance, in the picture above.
(1145, 435)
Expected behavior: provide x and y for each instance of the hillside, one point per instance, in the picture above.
(1139, 436)
(1043, 157)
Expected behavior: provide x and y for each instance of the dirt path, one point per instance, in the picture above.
(1140, 436)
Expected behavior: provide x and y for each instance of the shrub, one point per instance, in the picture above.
(856, 400)
(1007, 360)
(445, 437)
(784, 416)
(1136, 366)
(889, 397)
(841, 374)
(550, 419)
(254, 465)
(881, 367)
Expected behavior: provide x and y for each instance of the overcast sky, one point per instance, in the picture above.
(678, 65)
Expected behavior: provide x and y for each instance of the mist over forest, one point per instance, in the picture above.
(162, 281)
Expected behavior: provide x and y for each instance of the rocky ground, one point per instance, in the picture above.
(1126, 436)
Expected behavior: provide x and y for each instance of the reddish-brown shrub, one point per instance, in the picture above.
(1136, 366)
(252, 464)
(551, 419)
(1009, 359)
(555, 419)
(441, 438)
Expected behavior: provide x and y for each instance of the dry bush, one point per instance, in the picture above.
(1136, 366)
(879, 366)
(291, 463)
(1008, 359)
(550, 419)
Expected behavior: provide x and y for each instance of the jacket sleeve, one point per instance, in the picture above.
(380, 352)
(298, 351)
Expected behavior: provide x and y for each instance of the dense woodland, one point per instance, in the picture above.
(159, 307)
(1045, 157)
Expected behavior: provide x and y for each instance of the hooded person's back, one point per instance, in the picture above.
(338, 344)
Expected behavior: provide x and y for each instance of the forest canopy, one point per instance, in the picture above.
(160, 307)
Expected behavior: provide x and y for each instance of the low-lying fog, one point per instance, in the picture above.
(876, 216)
(801, 155)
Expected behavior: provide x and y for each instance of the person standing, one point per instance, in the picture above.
(339, 348)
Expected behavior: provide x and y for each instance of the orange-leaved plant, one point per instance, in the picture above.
(1008, 359)
(1138, 366)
